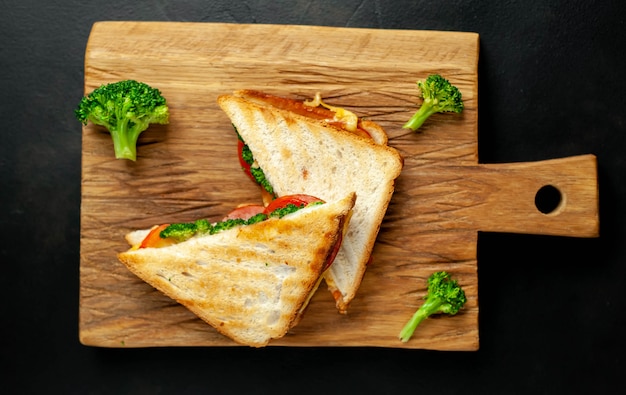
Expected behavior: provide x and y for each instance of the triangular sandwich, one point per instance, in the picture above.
(251, 282)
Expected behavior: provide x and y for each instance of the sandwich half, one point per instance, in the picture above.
(303, 148)
(251, 282)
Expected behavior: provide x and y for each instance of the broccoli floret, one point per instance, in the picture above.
(203, 226)
(444, 295)
(125, 109)
(288, 209)
(256, 218)
(227, 224)
(259, 177)
(439, 96)
(186, 230)
(179, 232)
(291, 208)
(255, 171)
(246, 154)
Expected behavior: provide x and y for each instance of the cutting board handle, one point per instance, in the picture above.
(552, 197)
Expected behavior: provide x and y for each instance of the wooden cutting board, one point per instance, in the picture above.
(189, 169)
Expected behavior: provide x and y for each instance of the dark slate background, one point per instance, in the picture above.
(551, 84)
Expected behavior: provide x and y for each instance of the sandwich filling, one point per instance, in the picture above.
(252, 169)
(167, 234)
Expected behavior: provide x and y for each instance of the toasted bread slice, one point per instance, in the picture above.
(252, 282)
(320, 114)
(300, 154)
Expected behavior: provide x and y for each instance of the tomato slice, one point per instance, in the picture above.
(297, 199)
(245, 211)
(153, 240)
(333, 252)
(244, 165)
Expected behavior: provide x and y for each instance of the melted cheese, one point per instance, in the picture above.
(341, 114)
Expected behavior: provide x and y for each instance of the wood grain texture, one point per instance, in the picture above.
(188, 170)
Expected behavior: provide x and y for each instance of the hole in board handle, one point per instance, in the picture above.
(548, 199)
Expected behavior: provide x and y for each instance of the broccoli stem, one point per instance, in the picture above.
(124, 142)
(430, 307)
(421, 115)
